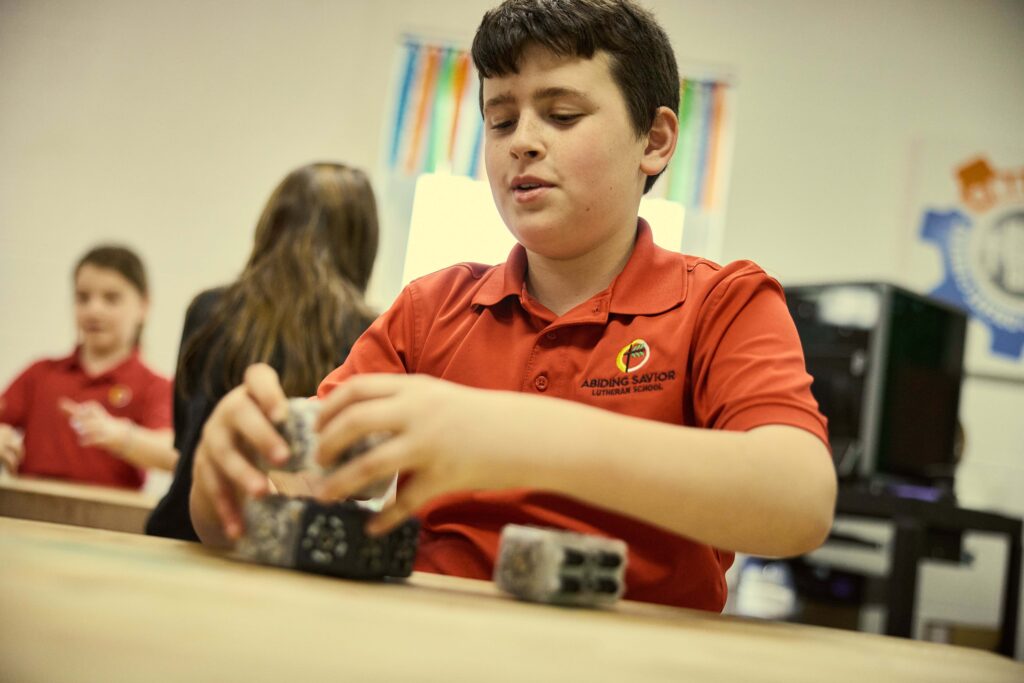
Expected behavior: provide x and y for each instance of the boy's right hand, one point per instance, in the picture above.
(12, 448)
(240, 426)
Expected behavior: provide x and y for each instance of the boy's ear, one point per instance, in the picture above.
(661, 141)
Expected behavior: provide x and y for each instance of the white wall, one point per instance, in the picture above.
(166, 125)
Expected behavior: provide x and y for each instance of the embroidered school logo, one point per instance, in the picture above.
(633, 356)
(982, 247)
(628, 361)
(119, 396)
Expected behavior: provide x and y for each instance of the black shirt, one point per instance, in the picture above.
(171, 516)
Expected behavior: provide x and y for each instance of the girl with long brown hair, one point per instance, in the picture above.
(297, 305)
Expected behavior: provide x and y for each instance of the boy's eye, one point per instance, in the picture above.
(112, 297)
(565, 118)
(500, 125)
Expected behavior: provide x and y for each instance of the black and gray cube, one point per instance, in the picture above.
(560, 567)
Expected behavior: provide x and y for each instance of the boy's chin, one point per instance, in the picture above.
(536, 238)
(551, 248)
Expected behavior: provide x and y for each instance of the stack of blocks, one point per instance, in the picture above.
(539, 565)
(326, 538)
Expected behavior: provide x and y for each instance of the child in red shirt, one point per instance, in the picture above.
(592, 382)
(98, 415)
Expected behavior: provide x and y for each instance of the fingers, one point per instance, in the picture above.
(262, 384)
(88, 439)
(413, 495)
(95, 427)
(357, 389)
(357, 421)
(380, 462)
(93, 410)
(239, 426)
(236, 421)
(12, 448)
(68, 406)
(249, 424)
(10, 458)
(236, 468)
(76, 417)
(217, 492)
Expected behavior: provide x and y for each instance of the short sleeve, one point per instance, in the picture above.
(387, 346)
(749, 365)
(15, 402)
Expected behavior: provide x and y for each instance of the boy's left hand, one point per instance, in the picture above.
(447, 436)
(94, 425)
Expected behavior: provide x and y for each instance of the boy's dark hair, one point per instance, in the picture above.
(642, 62)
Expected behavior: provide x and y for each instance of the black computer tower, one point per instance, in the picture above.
(887, 366)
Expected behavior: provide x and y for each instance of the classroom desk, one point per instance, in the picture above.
(89, 605)
(49, 500)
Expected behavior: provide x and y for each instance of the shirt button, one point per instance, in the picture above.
(541, 382)
(551, 336)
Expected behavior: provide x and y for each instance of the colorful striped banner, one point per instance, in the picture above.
(437, 126)
(692, 177)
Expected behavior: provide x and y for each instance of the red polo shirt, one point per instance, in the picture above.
(32, 403)
(674, 338)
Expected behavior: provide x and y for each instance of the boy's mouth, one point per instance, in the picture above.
(526, 188)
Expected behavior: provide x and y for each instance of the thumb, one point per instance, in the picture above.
(67, 405)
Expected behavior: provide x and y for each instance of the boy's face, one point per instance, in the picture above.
(562, 157)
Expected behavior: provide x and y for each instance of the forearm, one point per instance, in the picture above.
(770, 491)
(148, 448)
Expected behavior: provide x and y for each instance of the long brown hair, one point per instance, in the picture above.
(123, 261)
(299, 299)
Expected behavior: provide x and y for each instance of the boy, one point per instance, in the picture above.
(689, 425)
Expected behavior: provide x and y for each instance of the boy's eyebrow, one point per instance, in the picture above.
(499, 100)
(558, 91)
(542, 94)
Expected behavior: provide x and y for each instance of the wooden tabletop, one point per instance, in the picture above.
(82, 604)
(64, 502)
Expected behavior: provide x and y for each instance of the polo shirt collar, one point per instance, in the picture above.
(504, 280)
(74, 362)
(651, 282)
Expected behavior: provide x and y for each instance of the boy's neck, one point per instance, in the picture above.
(563, 284)
(97, 361)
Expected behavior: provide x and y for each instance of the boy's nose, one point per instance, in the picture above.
(526, 141)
